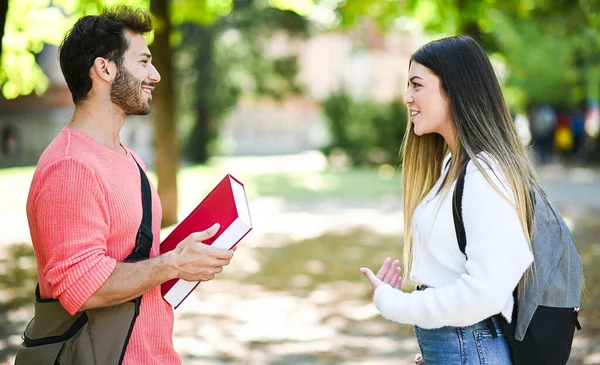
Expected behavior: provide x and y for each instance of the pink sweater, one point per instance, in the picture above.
(84, 210)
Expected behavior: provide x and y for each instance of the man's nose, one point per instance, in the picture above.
(154, 75)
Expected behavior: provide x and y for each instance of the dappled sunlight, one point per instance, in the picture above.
(18, 277)
(298, 225)
(293, 294)
(307, 301)
(310, 161)
(331, 257)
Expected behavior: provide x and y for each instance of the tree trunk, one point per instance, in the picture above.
(3, 12)
(165, 121)
(204, 130)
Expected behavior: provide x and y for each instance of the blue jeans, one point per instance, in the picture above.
(472, 345)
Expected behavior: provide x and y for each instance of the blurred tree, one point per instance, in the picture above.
(29, 25)
(366, 131)
(3, 12)
(32, 23)
(534, 39)
(532, 75)
(225, 59)
(166, 146)
(435, 16)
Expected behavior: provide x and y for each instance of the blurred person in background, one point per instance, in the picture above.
(563, 134)
(542, 123)
(458, 120)
(85, 207)
(579, 134)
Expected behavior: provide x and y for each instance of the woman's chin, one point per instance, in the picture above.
(418, 132)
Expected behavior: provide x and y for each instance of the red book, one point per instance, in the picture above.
(227, 205)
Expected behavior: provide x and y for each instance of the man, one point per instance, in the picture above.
(84, 206)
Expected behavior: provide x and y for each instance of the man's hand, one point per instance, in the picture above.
(389, 273)
(195, 261)
(191, 260)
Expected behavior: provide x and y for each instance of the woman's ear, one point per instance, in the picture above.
(104, 69)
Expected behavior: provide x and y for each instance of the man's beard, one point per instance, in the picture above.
(126, 92)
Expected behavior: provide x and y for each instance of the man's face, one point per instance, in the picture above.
(132, 88)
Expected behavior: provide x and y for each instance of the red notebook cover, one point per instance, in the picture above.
(227, 205)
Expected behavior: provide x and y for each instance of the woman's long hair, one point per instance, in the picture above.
(482, 123)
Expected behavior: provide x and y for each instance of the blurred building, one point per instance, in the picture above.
(366, 64)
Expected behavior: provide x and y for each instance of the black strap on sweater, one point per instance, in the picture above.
(144, 237)
(459, 228)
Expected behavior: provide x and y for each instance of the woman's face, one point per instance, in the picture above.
(429, 109)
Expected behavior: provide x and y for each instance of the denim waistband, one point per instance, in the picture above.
(422, 287)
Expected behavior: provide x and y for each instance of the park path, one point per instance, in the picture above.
(243, 318)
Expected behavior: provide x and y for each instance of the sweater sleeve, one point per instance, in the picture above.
(498, 255)
(71, 220)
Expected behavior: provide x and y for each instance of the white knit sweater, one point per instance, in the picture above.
(463, 292)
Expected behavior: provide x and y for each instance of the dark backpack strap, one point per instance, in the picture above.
(459, 227)
(144, 237)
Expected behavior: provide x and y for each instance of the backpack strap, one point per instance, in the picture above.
(459, 228)
(144, 236)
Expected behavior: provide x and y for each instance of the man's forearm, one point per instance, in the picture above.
(130, 280)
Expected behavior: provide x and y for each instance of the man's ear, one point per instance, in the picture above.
(104, 69)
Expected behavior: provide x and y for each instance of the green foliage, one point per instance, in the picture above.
(368, 132)
(227, 59)
(301, 7)
(550, 52)
(534, 72)
(199, 11)
(29, 25)
(382, 12)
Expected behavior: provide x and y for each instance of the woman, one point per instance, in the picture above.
(458, 116)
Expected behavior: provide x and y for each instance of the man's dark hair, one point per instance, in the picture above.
(98, 36)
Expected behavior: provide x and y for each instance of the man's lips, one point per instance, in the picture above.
(148, 89)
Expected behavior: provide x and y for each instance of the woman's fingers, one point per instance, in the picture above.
(391, 275)
(384, 268)
(398, 283)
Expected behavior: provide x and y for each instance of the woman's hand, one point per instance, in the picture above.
(389, 273)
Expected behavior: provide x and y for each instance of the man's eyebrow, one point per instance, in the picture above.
(146, 54)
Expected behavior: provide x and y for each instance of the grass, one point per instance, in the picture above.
(330, 258)
(300, 267)
(295, 180)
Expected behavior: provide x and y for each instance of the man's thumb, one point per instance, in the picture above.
(204, 235)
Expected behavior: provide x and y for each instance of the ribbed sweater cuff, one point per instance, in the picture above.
(76, 295)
